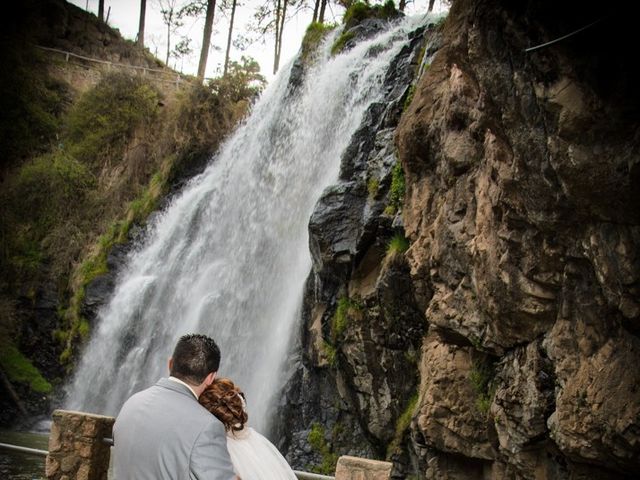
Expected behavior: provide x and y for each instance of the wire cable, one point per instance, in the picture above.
(543, 45)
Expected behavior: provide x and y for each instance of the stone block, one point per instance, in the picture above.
(354, 468)
(51, 467)
(76, 448)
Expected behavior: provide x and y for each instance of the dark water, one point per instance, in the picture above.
(22, 466)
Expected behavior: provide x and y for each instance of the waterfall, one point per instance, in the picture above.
(229, 256)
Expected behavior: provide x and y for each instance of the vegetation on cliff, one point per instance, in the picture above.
(357, 13)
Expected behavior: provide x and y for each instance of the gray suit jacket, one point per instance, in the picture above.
(164, 433)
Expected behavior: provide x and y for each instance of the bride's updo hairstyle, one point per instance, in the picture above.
(226, 401)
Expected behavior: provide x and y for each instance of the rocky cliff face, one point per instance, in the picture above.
(523, 215)
(514, 313)
(362, 328)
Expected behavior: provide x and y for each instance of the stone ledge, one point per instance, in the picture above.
(76, 447)
(354, 468)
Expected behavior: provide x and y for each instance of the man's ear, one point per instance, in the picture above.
(170, 364)
(210, 378)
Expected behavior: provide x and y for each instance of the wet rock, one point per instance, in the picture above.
(370, 365)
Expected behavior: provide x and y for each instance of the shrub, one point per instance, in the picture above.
(319, 445)
(314, 35)
(340, 42)
(347, 309)
(106, 116)
(397, 191)
(481, 378)
(330, 352)
(372, 186)
(397, 245)
(404, 420)
(360, 11)
(355, 14)
(243, 81)
(35, 199)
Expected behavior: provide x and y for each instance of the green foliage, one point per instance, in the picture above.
(33, 200)
(372, 186)
(106, 116)
(52, 181)
(397, 245)
(314, 35)
(205, 114)
(355, 14)
(396, 193)
(481, 378)
(360, 11)
(319, 445)
(404, 420)
(242, 82)
(19, 369)
(341, 41)
(330, 352)
(409, 97)
(347, 310)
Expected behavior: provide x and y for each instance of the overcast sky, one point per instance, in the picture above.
(124, 16)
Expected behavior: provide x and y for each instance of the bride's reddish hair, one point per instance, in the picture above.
(223, 399)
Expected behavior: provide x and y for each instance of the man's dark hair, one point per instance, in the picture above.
(195, 357)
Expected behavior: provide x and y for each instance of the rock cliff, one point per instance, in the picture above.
(514, 313)
(523, 215)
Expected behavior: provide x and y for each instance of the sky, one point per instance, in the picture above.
(124, 16)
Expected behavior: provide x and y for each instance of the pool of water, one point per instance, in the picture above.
(22, 466)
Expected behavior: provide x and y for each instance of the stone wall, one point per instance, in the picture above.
(77, 450)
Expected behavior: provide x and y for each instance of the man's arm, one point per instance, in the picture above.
(210, 458)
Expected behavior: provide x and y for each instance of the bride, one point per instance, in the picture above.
(252, 455)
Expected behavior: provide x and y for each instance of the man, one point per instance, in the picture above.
(164, 433)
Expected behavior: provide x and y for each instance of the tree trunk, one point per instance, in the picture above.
(143, 9)
(323, 6)
(101, 10)
(226, 57)
(402, 5)
(431, 2)
(206, 38)
(168, 43)
(283, 16)
(275, 49)
(316, 6)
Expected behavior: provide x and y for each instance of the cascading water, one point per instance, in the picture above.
(229, 256)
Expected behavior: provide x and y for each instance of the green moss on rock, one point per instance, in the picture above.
(19, 369)
(316, 32)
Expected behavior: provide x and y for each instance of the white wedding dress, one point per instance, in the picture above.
(256, 458)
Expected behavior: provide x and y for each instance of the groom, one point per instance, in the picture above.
(164, 433)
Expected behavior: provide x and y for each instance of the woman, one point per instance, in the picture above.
(252, 455)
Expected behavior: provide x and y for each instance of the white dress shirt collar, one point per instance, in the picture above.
(177, 380)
